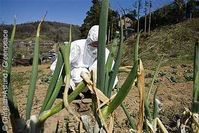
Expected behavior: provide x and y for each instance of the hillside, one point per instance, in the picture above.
(51, 31)
(175, 42)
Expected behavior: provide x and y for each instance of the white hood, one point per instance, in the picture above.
(90, 53)
(93, 34)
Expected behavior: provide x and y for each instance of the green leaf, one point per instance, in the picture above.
(114, 72)
(155, 105)
(11, 96)
(130, 119)
(101, 47)
(154, 78)
(46, 114)
(53, 81)
(55, 93)
(31, 90)
(147, 110)
(122, 93)
(125, 88)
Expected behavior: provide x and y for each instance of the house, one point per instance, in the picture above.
(128, 26)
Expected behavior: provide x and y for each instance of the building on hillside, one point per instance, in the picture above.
(128, 26)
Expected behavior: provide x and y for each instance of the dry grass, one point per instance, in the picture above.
(176, 42)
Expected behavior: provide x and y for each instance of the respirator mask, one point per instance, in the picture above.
(92, 49)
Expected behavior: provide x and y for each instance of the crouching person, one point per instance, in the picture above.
(83, 56)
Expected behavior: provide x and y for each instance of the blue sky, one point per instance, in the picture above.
(67, 11)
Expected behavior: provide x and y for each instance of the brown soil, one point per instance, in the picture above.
(175, 95)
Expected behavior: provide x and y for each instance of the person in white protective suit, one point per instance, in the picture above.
(83, 56)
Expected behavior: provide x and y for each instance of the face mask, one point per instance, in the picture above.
(92, 51)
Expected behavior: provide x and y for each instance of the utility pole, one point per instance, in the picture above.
(150, 5)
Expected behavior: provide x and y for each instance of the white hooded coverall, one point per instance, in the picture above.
(83, 57)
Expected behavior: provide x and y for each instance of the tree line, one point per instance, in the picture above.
(141, 16)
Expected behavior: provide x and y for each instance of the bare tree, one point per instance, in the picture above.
(180, 9)
(145, 17)
(138, 14)
(124, 23)
(150, 5)
(123, 13)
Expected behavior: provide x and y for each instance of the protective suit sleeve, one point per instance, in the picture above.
(74, 55)
(94, 67)
(74, 52)
(53, 65)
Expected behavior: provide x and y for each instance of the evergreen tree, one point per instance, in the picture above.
(92, 18)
